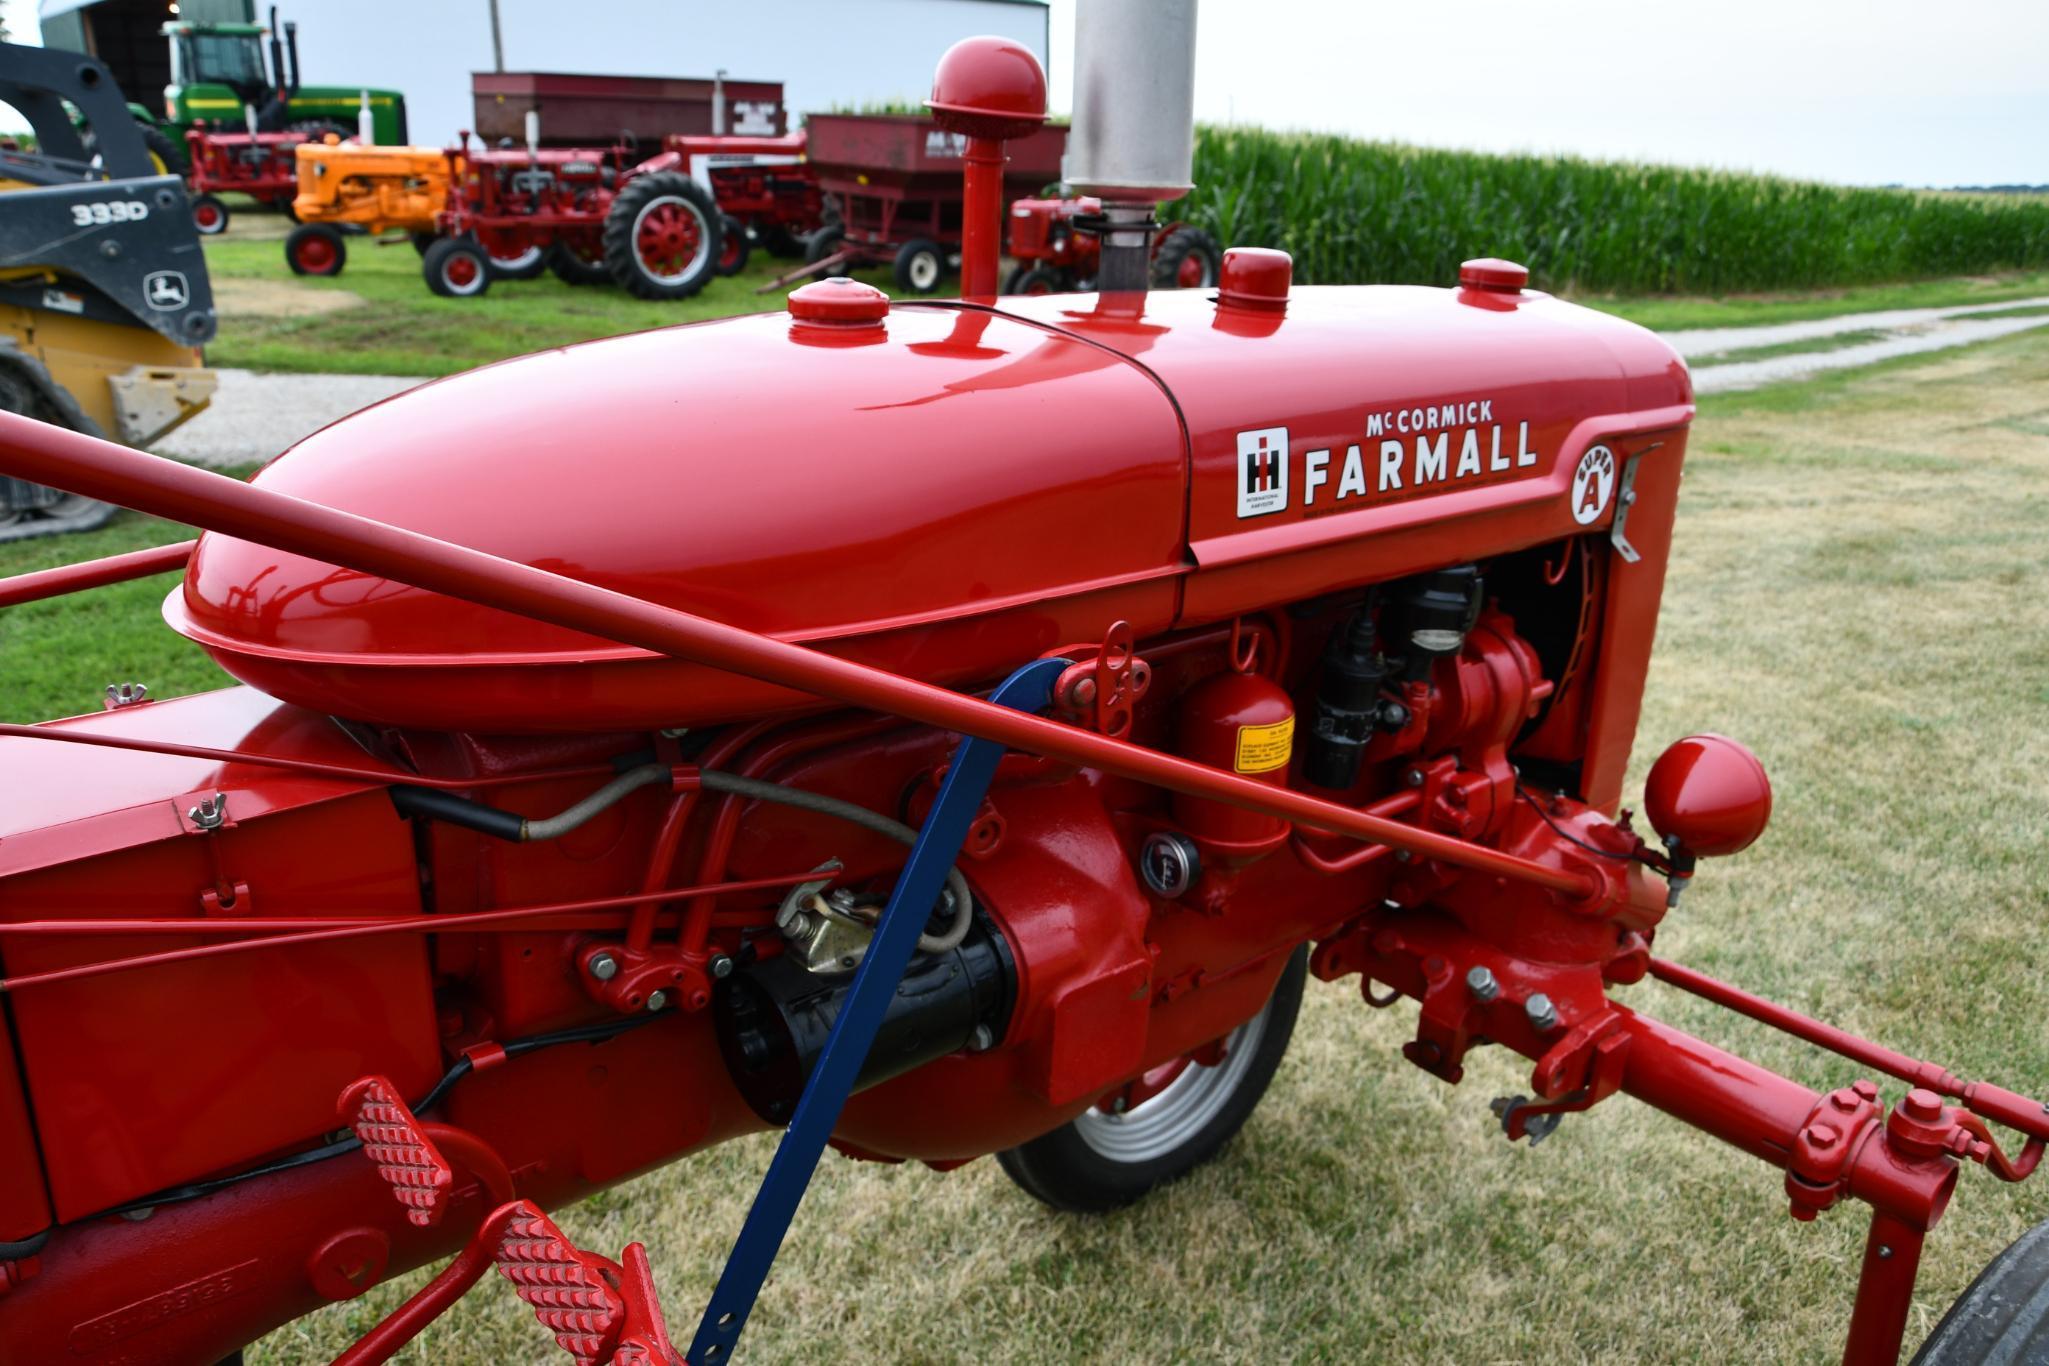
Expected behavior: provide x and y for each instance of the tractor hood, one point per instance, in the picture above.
(944, 492)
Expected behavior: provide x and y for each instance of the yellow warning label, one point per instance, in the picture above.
(1262, 749)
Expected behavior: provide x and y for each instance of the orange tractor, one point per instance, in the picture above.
(348, 187)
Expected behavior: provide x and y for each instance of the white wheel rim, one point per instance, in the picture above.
(1158, 1125)
(697, 258)
(924, 271)
(519, 262)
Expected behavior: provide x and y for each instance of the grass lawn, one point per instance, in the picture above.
(378, 318)
(1860, 589)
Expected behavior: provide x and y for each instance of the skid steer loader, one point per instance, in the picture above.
(104, 296)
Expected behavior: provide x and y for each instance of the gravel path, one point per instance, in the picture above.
(254, 416)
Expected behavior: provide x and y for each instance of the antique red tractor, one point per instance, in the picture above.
(1057, 249)
(873, 769)
(263, 166)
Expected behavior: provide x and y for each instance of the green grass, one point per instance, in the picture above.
(388, 323)
(1810, 346)
(1354, 211)
(1860, 588)
(1756, 310)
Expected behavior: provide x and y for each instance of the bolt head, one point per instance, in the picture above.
(1543, 1015)
(721, 966)
(1119, 1106)
(603, 966)
(1414, 777)
(1922, 1104)
(656, 1000)
(1481, 983)
(1822, 1135)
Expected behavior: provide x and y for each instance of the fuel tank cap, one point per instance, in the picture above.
(1255, 277)
(1491, 272)
(839, 300)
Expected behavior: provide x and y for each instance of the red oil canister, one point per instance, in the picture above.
(1244, 723)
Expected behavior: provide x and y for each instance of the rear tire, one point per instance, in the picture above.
(209, 216)
(574, 265)
(168, 152)
(734, 248)
(2003, 1316)
(1035, 280)
(663, 237)
(29, 510)
(778, 241)
(316, 249)
(1100, 1161)
(456, 268)
(823, 243)
(920, 266)
(1188, 258)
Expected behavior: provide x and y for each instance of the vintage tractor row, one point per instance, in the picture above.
(1058, 246)
(660, 227)
(883, 771)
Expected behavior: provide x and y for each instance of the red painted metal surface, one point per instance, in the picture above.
(262, 165)
(986, 90)
(1710, 794)
(73, 578)
(580, 109)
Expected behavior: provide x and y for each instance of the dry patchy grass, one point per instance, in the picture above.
(1860, 588)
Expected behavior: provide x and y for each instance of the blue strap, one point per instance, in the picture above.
(917, 889)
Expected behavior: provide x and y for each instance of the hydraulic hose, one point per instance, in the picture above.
(506, 825)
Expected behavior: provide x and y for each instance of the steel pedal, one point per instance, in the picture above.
(406, 1158)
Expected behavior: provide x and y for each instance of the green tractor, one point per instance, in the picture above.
(218, 71)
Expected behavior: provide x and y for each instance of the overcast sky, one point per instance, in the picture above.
(1932, 92)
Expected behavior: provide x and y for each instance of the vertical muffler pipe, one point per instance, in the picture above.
(1133, 142)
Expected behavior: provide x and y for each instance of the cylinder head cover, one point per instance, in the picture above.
(1134, 100)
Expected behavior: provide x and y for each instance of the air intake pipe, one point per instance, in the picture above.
(1133, 142)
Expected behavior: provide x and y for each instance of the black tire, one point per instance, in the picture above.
(1070, 1170)
(209, 215)
(778, 241)
(734, 248)
(1180, 247)
(528, 265)
(823, 243)
(655, 220)
(920, 266)
(572, 267)
(456, 268)
(316, 249)
(1036, 280)
(30, 510)
(2003, 1316)
(422, 240)
(167, 151)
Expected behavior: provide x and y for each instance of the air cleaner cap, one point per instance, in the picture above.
(988, 87)
(1255, 277)
(839, 300)
(1491, 272)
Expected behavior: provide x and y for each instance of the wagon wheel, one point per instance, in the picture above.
(1186, 258)
(2003, 1315)
(663, 236)
(315, 249)
(209, 215)
(456, 268)
(734, 248)
(1168, 1122)
(1035, 280)
(920, 265)
(823, 243)
(579, 260)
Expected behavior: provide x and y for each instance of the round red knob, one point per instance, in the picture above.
(839, 300)
(988, 88)
(1491, 272)
(1256, 277)
(1710, 794)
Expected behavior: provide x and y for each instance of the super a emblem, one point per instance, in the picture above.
(1593, 485)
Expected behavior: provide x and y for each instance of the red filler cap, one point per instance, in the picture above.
(1255, 277)
(1491, 272)
(839, 300)
(1709, 793)
(988, 88)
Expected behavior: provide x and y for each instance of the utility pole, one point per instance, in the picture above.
(497, 40)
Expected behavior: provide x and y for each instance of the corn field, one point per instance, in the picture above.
(1359, 212)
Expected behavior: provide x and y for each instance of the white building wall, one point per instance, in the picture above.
(826, 52)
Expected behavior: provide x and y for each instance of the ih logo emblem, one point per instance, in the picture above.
(1593, 484)
(1262, 471)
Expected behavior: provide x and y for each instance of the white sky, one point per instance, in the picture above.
(1924, 92)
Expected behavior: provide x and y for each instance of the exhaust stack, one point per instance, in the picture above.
(1133, 143)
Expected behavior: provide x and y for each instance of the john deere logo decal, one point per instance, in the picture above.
(1262, 471)
(1593, 484)
(166, 290)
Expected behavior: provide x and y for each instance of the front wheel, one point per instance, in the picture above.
(1187, 258)
(209, 215)
(1035, 280)
(920, 265)
(456, 268)
(2003, 1316)
(315, 249)
(734, 248)
(1190, 1108)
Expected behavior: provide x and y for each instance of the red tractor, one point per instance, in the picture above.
(872, 769)
(261, 165)
(1057, 249)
